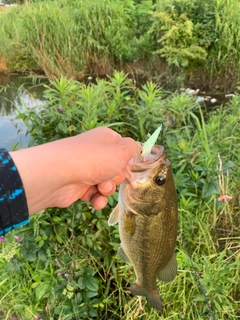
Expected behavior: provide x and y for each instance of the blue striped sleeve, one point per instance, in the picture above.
(13, 203)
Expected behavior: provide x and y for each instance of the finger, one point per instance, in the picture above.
(106, 188)
(131, 147)
(90, 193)
(99, 201)
(93, 196)
(119, 178)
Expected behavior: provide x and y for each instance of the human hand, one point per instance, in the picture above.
(87, 166)
(100, 156)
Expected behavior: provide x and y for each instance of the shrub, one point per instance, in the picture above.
(178, 44)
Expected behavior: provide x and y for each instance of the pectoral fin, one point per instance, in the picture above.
(123, 255)
(113, 219)
(169, 272)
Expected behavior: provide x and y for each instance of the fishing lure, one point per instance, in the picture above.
(147, 146)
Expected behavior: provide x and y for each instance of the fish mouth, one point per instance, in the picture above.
(139, 163)
(139, 167)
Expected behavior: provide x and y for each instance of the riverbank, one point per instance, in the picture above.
(142, 71)
(3, 66)
(4, 9)
(195, 45)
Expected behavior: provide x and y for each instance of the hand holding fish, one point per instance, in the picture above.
(87, 166)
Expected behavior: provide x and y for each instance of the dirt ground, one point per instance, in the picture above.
(3, 66)
(4, 9)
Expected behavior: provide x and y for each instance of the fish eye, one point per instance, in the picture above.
(160, 180)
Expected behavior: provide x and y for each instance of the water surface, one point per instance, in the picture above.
(16, 92)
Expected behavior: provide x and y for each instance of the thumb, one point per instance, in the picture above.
(129, 148)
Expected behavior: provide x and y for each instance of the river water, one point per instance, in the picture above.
(15, 93)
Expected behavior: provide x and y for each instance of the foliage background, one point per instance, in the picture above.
(65, 266)
(178, 41)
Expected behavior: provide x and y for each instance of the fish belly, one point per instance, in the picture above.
(148, 242)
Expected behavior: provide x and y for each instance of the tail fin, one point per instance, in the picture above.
(152, 297)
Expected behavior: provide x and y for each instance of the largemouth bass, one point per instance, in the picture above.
(147, 219)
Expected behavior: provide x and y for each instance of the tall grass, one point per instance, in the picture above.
(175, 40)
(72, 38)
(60, 40)
(66, 266)
(227, 44)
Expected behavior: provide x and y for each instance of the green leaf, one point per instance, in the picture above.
(228, 164)
(41, 243)
(42, 289)
(70, 287)
(93, 313)
(29, 251)
(35, 284)
(42, 256)
(81, 283)
(90, 282)
(38, 238)
(63, 127)
(209, 188)
(89, 241)
(56, 219)
(59, 239)
(91, 294)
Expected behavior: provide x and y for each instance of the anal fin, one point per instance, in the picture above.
(123, 255)
(168, 273)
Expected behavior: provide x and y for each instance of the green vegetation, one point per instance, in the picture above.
(176, 42)
(73, 38)
(66, 266)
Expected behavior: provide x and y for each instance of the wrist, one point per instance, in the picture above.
(39, 168)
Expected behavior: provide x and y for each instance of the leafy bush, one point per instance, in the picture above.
(74, 107)
(185, 31)
(198, 36)
(178, 43)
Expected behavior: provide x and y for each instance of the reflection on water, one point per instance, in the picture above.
(15, 92)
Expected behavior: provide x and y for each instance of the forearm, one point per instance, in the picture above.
(87, 166)
(56, 174)
(43, 173)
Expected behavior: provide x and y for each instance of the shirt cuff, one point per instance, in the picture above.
(13, 203)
